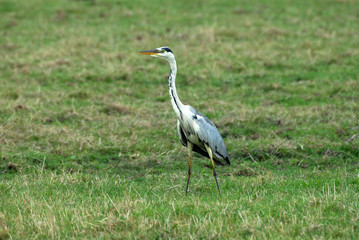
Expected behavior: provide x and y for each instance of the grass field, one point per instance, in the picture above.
(88, 142)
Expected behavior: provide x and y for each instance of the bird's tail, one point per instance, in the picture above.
(222, 162)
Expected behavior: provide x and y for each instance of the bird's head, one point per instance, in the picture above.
(161, 52)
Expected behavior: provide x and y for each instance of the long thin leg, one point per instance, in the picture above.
(190, 147)
(209, 150)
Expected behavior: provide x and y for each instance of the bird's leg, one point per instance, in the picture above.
(190, 147)
(209, 150)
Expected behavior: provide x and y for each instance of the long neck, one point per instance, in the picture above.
(176, 102)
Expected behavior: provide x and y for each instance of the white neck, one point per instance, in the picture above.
(176, 102)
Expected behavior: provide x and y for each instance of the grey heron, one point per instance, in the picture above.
(195, 130)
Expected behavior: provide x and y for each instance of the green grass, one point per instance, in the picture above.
(88, 142)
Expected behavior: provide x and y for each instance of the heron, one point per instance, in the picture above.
(195, 130)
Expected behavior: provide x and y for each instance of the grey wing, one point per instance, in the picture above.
(184, 140)
(209, 134)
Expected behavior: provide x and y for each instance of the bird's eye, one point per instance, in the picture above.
(162, 51)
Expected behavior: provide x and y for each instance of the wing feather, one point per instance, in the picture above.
(209, 134)
(184, 140)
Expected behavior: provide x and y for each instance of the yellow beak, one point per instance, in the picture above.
(149, 52)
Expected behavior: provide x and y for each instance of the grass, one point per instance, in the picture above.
(88, 142)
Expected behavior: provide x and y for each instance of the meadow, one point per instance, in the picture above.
(88, 139)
